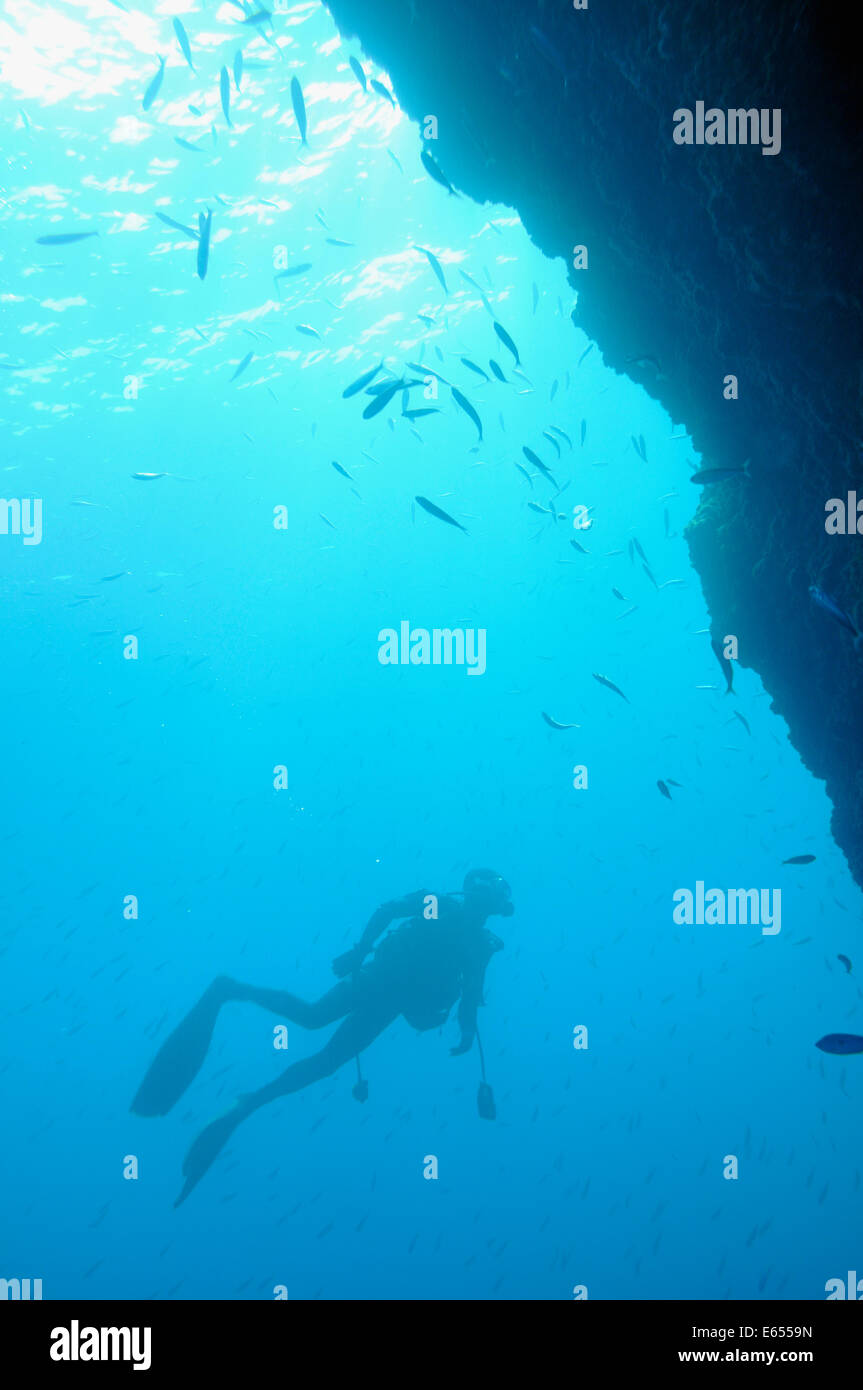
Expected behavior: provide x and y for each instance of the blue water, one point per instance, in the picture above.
(258, 648)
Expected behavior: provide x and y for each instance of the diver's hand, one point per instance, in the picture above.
(464, 1046)
(349, 962)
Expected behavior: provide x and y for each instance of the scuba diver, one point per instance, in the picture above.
(419, 970)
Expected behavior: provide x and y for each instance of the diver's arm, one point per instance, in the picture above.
(394, 911)
(377, 924)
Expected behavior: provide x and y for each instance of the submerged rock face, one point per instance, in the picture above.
(704, 261)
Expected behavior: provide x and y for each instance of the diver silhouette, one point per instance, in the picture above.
(418, 971)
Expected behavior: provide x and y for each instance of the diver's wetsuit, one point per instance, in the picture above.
(419, 970)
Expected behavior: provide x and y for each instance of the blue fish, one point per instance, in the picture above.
(153, 90)
(841, 1044)
(832, 607)
(203, 257)
(433, 168)
(468, 409)
(435, 265)
(507, 341)
(383, 91)
(299, 106)
(243, 365)
(225, 94)
(183, 41)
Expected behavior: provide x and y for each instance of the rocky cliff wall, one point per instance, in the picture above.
(708, 260)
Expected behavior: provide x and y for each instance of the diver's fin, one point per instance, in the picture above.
(207, 1148)
(179, 1059)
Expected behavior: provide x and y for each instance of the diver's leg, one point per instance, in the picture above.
(354, 1036)
(181, 1055)
(334, 1004)
(358, 1030)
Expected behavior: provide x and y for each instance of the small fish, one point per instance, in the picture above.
(643, 447)
(359, 73)
(587, 350)
(474, 368)
(434, 170)
(507, 341)
(583, 432)
(576, 545)
(395, 161)
(743, 721)
(535, 507)
(196, 110)
(243, 365)
(63, 238)
(327, 520)
(148, 477)
(649, 573)
(299, 105)
(183, 41)
(800, 859)
(725, 663)
(842, 1044)
(435, 265)
(336, 241)
(259, 17)
(153, 90)
(551, 439)
(671, 782)
(705, 476)
(526, 474)
(537, 462)
(361, 381)
(663, 788)
(497, 371)
(225, 94)
(468, 409)
(382, 400)
(293, 270)
(637, 544)
(618, 594)
(620, 616)
(106, 578)
(203, 256)
(603, 680)
(428, 371)
(238, 68)
(383, 91)
(830, 606)
(307, 330)
(846, 962)
(187, 145)
(418, 414)
(479, 289)
(343, 471)
(553, 724)
(441, 515)
(562, 434)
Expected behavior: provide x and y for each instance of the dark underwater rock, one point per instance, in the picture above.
(709, 260)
